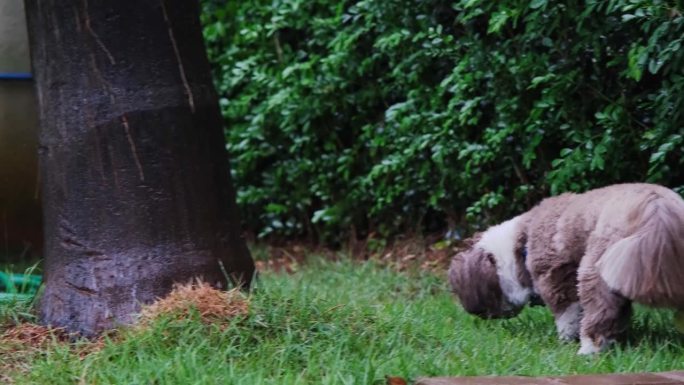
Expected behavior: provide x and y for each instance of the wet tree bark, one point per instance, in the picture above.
(136, 186)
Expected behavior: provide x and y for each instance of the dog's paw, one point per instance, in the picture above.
(567, 337)
(568, 323)
(568, 332)
(588, 347)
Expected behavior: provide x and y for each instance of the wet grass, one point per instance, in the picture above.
(349, 323)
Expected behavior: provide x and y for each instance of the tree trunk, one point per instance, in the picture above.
(136, 186)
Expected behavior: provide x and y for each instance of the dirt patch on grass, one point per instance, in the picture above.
(431, 253)
(287, 257)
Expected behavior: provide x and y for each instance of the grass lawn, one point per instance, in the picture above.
(345, 323)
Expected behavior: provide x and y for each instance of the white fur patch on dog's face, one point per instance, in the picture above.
(499, 240)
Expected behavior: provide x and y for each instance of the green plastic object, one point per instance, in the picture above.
(18, 287)
(15, 297)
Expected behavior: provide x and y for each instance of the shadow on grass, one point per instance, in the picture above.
(649, 328)
(653, 328)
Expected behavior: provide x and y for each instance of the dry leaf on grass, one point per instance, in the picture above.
(211, 304)
(19, 344)
(24, 337)
(32, 335)
(395, 380)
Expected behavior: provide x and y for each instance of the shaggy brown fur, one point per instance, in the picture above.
(589, 255)
(484, 300)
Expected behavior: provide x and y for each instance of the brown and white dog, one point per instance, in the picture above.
(588, 256)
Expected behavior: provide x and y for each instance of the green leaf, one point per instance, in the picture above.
(535, 4)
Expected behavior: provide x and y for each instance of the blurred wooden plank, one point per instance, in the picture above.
(666, 378)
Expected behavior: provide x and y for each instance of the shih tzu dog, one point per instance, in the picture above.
(586, 256)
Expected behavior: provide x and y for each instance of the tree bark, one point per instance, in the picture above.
(136, 185)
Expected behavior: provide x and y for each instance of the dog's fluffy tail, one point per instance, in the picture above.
(648, 264)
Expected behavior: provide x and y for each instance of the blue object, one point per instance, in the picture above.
(15, 76)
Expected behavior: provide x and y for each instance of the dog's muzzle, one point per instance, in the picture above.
(536, 300)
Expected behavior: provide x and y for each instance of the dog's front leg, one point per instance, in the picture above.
(606, 313)
(558, 289)
(568, 322)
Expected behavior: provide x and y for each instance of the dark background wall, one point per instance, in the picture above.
(20, 212)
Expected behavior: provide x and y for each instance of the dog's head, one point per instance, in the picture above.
(475, 282)
(485, 276)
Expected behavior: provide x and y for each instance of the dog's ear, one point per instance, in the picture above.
(474, 280)
(521, 243)
(520, 253)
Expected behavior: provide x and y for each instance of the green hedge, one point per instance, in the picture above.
(381, 117)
